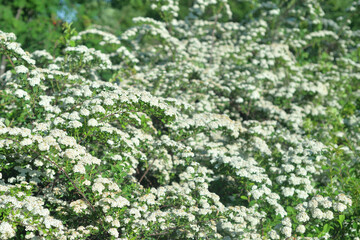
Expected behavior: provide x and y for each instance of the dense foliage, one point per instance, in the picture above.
(33, 21)
(189, 127)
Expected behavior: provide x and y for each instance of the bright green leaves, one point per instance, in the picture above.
(68, 32)
(341, 220)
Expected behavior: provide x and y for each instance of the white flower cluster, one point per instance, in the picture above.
(88, 55)
(108, 38)
(199, 7)
(21, 69)
(41, 54)
(214, 129)
(7, 41)
(170, 7)
(29, 209)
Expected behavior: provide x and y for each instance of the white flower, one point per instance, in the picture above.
(33, 81)
(261, 146)
(302, 194)
(93, 122)
(329, 215)
(120, 202)
(317, 213)
(136, 213)
(280, 210)
(108, 102)
(38, 163)
(326, 203)
(13, 46)
(286, 231)
(98, 108)
(42, 53)
(26, 142)
(288, 167)
(22, 94)
(343, 198)
(286, 222)
(109, 219)
(274, 12)
(257, 193)
(288, 192)
(149, 198)
(30, 235)
(87, 182)
(41, 127)
(302, 217)
(44, 147)
(6, 230)
(300, 229)
(74, 116)
(340, 207)
(115, 223)
(273, 235)
(58, 120)
(79, 168)
(75, 124)
(114, 232)
(68, 100)
(21, 69)
(255, 95)
(84, 112)
(78, 206)
(313, 203)
(98, 187)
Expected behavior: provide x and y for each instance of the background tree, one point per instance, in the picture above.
(35, 23)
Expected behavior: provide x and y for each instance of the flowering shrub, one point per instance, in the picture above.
(200, 128)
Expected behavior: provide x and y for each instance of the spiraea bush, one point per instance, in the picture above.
(201, 128)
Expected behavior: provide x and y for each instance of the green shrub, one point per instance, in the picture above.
(194, 128)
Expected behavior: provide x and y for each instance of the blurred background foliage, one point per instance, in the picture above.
(35, 22)
(38, 23)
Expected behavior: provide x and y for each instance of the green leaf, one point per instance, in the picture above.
(326, 228)
(290, 209)
(252, 203)
(354, 225)
(341, 220)
(244, 197)
(72, 43)
(6, 13)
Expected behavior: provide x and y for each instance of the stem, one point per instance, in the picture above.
(168, 230)
(112, 114)
(18, 13)
(2, 65)
(147, 170)
(8, 57)
(72, 182)
(66, 174)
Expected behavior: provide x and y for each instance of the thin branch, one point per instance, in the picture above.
(18, 13)
(72, 182)
(147, 170)
(8, 57)
(66, 174)
(168, 230)
(112, 114)
(2, 66)
(55, 45)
